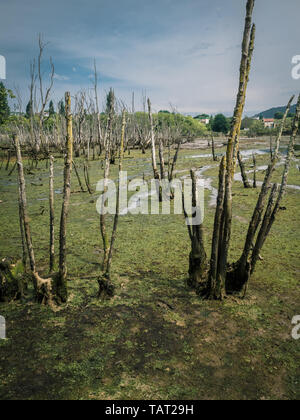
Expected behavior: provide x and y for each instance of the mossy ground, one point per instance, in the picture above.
(155, 339)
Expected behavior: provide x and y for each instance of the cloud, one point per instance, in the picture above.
(60, 77)
(186, 53)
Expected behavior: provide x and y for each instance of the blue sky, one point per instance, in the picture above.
(182, 52)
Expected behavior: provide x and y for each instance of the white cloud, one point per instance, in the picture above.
(60, 77)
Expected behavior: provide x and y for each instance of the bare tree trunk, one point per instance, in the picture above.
(161, 159)
(153, 152)
(107, 146)
(233, 141)
(22, 231)
(171, 172)
(271, 147)
(214, 287)
(78, 177)
(271, 212)
(87, 178)
(254, 171)
(106, 288)
(52, 217)
(243, 265)
(198, 258)
(61, 281)
(261, 237)
(243, 171)
(99, 131)
(213, 148)
(154, 165)
(23, 203)
(43, 288)
(8, 160)
(13, 168)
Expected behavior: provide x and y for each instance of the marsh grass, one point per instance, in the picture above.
(155, 339)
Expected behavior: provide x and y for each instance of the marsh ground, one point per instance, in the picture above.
(155, 339)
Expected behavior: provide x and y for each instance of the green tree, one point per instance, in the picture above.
(257, 128)
(61, 108)
(220, 124)
(4, 107)
(51, 109)
(28, 109)
(110, 101)
(201, 117)
(278, 115)
(247, 123)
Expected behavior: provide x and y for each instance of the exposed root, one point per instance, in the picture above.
(44, 292)
(106, 288)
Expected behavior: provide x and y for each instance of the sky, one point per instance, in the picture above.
(184, 53)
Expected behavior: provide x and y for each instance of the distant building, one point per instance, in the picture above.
(269, 122)
(204, 121)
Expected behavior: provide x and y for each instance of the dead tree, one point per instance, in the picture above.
(51, 211)
(153, 153)
(44, 96)
(78, 177)
(153, 150)
(42, 287)
(99, 131)
(214, 281)
(61, 288)
(224, 278)
(53, 289)
(171, 168)
(271, 147)
(254, 171)
(107, 147)
(231, 154)
(106, 288)
(161, 159)
(87, 178)
(243, 171)
(22, 231)
(215, 284)
(239, 275)
(213, 148)
(242, 267)
(8, 160)
(198, 258)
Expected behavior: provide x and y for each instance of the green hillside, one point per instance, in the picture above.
(270, 113)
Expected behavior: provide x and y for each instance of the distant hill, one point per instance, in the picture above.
(270, 113)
